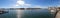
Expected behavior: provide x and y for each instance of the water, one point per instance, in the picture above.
(42, 13)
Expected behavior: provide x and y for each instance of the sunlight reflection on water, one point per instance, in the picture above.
(19, 13)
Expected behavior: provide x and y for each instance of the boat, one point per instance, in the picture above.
(3, 11)
(52, 10)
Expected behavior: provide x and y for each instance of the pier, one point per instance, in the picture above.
(55, 11)
(58, 13)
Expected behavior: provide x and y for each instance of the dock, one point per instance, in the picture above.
(56, 13)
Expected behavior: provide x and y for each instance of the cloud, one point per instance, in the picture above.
(27, 4)
(17, 5)
(39, 6)
(58, 5)
(36, 6)
(20, 2)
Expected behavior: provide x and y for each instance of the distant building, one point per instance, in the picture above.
(28, 8)
(33, 8)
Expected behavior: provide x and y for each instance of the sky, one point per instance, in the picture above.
(28, 3)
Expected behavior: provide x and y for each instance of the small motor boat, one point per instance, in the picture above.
(3, 11)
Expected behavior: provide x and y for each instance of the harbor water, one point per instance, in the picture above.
(42, 13)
